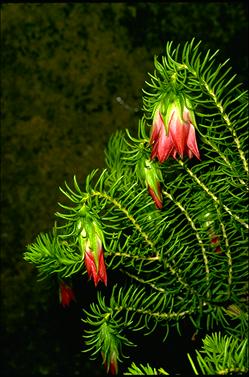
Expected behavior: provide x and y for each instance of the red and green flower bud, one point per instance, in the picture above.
(173, 130)
(66, 294)
(152, 178)
(111, 362)
(91, 245)
(95, 270)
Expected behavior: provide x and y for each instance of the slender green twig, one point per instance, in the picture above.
(223, 115)
(225, 159)
(150, 243)
(128, 215)
(212, 195)
(229, 125)
(191, 222)
(228, 254)
(159, 315)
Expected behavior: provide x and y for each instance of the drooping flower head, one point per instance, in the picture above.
(152, 180)
(66, 294)
(91, 245)
(150, 176)
(173, 130)
(94, 262)
(111, 362)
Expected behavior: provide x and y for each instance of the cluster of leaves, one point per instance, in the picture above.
(219, 355)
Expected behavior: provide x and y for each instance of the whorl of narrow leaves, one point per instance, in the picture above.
(126, 303)
(144, 370)
(53, 256)
(221, 355)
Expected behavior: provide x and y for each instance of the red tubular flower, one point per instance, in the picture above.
(111, 363)
(94, 262)
(91, 240)
(152, 179)
(174, 133)
(156, 196)
(66, 294)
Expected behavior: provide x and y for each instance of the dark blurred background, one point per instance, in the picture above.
(71, 75)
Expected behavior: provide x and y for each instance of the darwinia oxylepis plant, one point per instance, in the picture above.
(169, 213)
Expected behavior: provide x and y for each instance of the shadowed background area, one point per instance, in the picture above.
(72, 74)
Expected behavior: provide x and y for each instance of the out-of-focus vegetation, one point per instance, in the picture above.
(71, 75)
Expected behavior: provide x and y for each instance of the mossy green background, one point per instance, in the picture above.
(65, 67)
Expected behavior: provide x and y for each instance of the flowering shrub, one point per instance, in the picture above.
(169, 213)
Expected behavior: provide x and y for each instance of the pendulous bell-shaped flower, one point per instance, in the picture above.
(152, 179)
(90, 242)
(173, 131)
(94, 262)
(111, 362)
(66, 294)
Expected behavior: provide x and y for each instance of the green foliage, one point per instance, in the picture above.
(222, 355)
(219, 355)
(52, 257)
(144, 370)
(105, 335)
